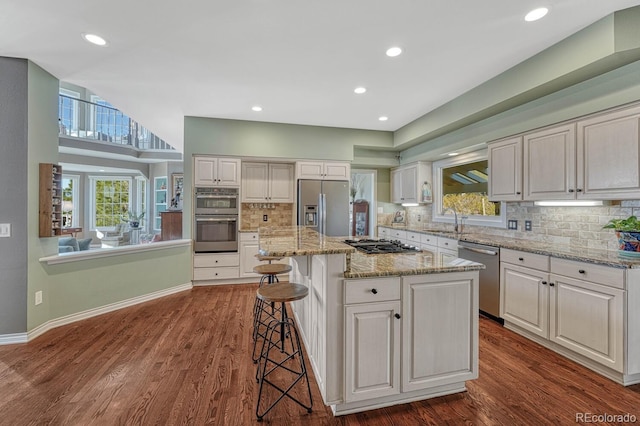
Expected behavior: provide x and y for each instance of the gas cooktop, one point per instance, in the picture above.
(371, 246)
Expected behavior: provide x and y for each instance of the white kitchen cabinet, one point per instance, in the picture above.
(447, 249)
(587, 317)
(524, 291)
(549, 161)
(216, 171)
(248, 250)
(215, 266)
(270, 182)
(398, 234)
(324, 170)
(372, 339)
(383, 232)
(505, 169)
(437, 348)
(407, 183)
(608, 155)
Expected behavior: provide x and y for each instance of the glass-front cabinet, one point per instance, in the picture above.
(159, 200)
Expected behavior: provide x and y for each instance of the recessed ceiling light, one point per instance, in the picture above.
(452, 154)
(394, 51)
(94, 39)
(256, 108)
(383, 118)
(536, 14)
(102, 170)
(360, 90)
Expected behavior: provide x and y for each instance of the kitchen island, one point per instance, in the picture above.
(380, 329)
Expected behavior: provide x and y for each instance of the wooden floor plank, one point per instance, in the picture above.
(186, 359)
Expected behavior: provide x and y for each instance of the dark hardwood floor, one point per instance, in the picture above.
(185, 359)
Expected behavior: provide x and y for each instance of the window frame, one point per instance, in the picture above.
(75, 199)
(142, 201)
(93, 180)
(73, 127)
(473, 220)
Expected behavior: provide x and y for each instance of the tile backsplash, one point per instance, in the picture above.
(572, 226)
(278, 214)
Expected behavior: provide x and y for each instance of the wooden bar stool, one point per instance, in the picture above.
(264, 313)
(263, 258)
(276, 357)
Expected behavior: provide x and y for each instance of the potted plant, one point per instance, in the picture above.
(628, 233)
(133, 218)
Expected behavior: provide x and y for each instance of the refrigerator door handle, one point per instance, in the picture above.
(323, 213)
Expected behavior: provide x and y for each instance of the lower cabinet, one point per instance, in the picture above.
(249, 248)
(214, 266)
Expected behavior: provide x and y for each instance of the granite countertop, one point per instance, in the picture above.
(301, 241)
(581, 254)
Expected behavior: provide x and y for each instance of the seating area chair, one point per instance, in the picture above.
(118, 237)
(71, 244)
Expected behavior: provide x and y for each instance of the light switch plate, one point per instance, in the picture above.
(512, 224)
(527, 225)
(5, 230)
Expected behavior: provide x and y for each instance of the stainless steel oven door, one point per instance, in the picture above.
(216, 204)
(216, 233)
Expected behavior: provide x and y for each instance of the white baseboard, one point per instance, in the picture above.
(68, 319)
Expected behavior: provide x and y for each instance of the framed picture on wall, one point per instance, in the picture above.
(177, 182)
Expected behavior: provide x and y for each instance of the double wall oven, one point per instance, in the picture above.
(216, 220)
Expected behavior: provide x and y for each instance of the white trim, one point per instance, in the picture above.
(68, 319)
(112, 251)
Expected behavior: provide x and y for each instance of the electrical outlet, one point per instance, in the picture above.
(38, 297)
(512, 224)
(5, 230)
(265, 218)
(419, 218)
(527, 225)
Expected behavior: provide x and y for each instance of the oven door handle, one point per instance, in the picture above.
(213, 219)
(216, 196)
(481, 251)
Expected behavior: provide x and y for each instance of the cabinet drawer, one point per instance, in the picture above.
(215, 260)
(429, 240)
(413, 238)
(530, 260)
(248, 236)
(612, 277)
(398, 234)
(371, 290)
(447, 243)
(216, 273)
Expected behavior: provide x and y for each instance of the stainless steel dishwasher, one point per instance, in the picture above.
(489, 283)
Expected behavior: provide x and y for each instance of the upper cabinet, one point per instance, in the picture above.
(272, 182)
(597, 158)
(549, 160)
(505, 170)
(213, 171)
(323, 170)
(411, 184)
(608, 156)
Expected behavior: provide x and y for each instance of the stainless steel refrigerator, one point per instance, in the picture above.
(324, 206)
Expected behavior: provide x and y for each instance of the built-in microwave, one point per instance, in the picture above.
(216, 201)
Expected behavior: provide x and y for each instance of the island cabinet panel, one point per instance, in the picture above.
(439, 330)
(372, 350)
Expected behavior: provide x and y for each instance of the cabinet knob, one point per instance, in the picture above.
(521, 259)
(581, 271)
(551, 284)
(544, 283)
(579, 190)
(571, 190)
(397, 316)
(374, 291)
(216, 261)
(518, 193)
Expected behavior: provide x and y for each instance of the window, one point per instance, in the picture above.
(110, 200)
(109, 123)
(461, 184)
(68, 111)
(70, 201)
(141, 199)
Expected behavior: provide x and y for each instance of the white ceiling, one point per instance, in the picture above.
(299, 60)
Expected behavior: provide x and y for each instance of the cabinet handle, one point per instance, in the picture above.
(571, 190)
(579, 190)
(544, 283)
(518, 193)
(397, 316)
(374, 291)
(581, 271)
(551, 284)
(521, 259)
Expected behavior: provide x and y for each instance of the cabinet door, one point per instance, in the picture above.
(281, 183)
(524, 298)
(396, 186)
(410, 185)
(549, 164)
(447, 255)
(608, 156)
(588, 319)
(254, 182)
(337, 171)
(310, 169)
(248, 260)
(505, 170)
(228, 172)
(439, 330)
(205, 171)
(372, 350)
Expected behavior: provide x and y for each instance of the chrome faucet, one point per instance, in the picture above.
(455, 217)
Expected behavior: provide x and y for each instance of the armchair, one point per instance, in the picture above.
(119, 236)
